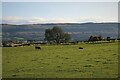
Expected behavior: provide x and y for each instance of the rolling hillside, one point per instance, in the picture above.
(78, 31)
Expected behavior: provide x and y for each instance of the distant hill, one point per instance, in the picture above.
(79, 31)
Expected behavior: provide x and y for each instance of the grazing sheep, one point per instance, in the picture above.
(80, 48)
(37, 47)
(14, 75)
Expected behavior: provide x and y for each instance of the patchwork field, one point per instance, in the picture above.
(61, 61)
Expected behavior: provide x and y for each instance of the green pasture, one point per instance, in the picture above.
(61, 61)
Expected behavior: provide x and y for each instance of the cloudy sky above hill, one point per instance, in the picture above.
(59, 12)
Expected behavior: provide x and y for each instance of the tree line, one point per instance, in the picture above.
(57, 35)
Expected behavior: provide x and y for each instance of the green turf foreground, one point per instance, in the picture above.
(0, 62)
(61, 61)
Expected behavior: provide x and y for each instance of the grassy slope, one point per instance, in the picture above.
(64, 61)
(0, 62)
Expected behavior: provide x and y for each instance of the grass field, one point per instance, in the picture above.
(61, 61)
(1, 62)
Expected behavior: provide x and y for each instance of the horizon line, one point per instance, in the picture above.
(57, 23)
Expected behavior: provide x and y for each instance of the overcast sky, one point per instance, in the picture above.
(59, 12)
